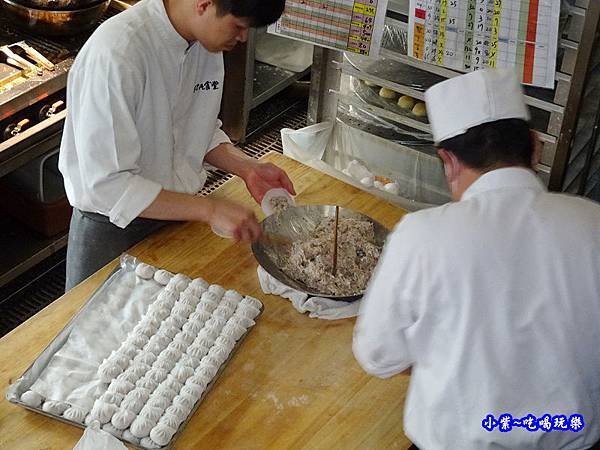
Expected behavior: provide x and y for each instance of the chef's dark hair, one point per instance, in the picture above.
(259, 12)
(490, 145)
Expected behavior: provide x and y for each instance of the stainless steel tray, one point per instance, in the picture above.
(33, 372)
(296, 223)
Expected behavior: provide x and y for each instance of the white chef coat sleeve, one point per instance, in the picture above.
(219, 137)
(386, 313)
(104, 92)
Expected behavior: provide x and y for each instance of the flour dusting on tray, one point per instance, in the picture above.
(310, 260)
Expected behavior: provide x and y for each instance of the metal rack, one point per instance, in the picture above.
(249, 83)
(554, 112)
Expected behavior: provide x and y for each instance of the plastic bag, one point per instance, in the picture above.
(96, 439)
(308, 143)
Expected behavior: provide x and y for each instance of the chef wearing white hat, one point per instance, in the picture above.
(492, 301)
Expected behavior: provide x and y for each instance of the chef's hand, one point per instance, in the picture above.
(261, 177)
(234, 220)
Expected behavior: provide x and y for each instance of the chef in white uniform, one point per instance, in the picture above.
(492, 301)
(143, 97)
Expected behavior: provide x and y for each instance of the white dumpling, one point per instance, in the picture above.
(147, 326)
(210, 296)
(215, 323)
(217, 289)
(119, 359)
(208, 372)
(218, 353)
(199, 283)
(243, 321)
(123, 418)
(112, 397)
(234, 295)
(225, 342)
(189, 360)
(55, 407)
(198, 379)
(193, 390)
(233, 330)
(256, 303)
(75, 414)
(139, 393)
(177, 411)
(210, 334)
(147, 383)
(140, 427)
(153, 348)
(129, 376)
(223, 312)
(31, 398)
(138, 369)
(169, 420)
(137, 339)
(102, 411)
(248, 311)
(184, 400)
(175, 321)
(160, 339)
(178, 283)
(129, 437)
(185, 337)
(197, 350)
(108, 371)
(158, 313)
(162, 434)
(144, 271)
(145, 357)
(168, 296)
(182, 373)
(178, 345)
(162, 276)
(152, 413)
(192, 327)
(168, 331)
(189, 299)
(182, 309)
(165, 391)
(164, 363)
(129, 350)
(199, 317)
(173, 383)
(157, 374)
(132, 404)
(110, 428)
(156, 401)
(120, 386)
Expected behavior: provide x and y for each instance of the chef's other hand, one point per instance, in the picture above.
(261, 177)
(234, 220)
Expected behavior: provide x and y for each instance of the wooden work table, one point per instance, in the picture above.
(293, 383)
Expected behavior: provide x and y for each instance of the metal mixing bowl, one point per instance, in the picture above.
(296, 223)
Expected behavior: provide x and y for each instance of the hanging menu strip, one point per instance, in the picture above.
(469, 35)
(347, 25)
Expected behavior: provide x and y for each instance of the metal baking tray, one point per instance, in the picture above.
(296, 223)
(25, 381)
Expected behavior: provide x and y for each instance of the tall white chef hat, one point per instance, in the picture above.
(463, 102)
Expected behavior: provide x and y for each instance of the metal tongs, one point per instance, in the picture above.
(16, 60)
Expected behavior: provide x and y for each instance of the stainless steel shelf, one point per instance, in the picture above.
(270, 80)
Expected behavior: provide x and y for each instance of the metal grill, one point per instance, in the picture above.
(43, 284)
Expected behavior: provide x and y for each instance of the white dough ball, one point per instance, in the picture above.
(243, 321)
(233, 295)
(182, 373)
(157, 375)
(31, 398)
(165, 364)
(141, 427)
(199, 317)
(197, 350)
(75, 414)
(137, 339)
(108, 371)
(184, 401)
(189, 299)
(152, 413)
(113, 398)
(144, 271)
(147, 383)
(132, 404)
(103, 412)
(55, 407)
(156, 401)
(169, 420)
(179, 282)
(193, 390)
(122, 419)
(226, 342)
(162, 434)
(248, 300)
(162, 276)
(192, 327)
(175, 321)
(145, 357)
(168, 331)
(216, 289)
(120, 386)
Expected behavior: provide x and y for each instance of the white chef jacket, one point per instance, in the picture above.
(495, 303)
(142, 114)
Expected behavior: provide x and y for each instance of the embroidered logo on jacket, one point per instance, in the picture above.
(206, 86)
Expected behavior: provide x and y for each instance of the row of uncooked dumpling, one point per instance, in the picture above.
(417, 107)
(145, 413)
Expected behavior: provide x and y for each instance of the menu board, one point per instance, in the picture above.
(347, 25)
(469, 35)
